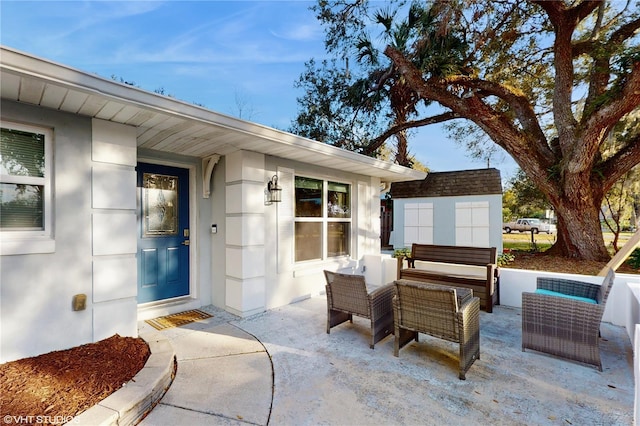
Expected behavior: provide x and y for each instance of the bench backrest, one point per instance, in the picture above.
(463, 255)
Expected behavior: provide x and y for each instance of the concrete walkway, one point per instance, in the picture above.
(224, 375)
(281, 368)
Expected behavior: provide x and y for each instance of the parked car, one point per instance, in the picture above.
(528, 224)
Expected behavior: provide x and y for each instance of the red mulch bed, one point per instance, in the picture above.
(53, 388)
(544, 262)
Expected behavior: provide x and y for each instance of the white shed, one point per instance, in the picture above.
(462, 208)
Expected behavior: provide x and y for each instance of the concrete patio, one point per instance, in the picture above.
(281, 368)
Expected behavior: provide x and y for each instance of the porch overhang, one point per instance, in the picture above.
(167, 124)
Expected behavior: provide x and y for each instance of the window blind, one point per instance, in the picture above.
(22, 167)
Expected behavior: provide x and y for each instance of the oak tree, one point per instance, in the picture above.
(547, 81)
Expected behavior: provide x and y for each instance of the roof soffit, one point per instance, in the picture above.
(170, 125)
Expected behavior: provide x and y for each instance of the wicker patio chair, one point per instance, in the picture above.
(440, 312)
(565, 325)
(347, 295)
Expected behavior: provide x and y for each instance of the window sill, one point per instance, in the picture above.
(15, 246)
(303, 269)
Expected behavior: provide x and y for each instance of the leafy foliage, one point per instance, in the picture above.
(505, 258)
(546, 82)
(402, 252)
(349, 107)
(523, 199)
(634, 259)
(326, 113)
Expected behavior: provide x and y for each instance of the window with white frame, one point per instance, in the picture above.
(25, 183)
(322, 219)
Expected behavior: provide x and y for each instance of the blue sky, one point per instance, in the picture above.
(233, 57)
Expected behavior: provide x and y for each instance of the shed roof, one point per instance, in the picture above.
(167, 124)
(450, 184)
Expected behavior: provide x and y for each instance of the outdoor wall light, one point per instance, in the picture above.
(275, 192)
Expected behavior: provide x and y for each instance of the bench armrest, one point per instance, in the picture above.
(492, 276)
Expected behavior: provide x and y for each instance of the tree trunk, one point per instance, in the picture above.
(402, 151)
(570, 170)
(579, 230)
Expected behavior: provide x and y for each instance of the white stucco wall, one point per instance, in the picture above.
(94, 228)
(636, 367)
(287, 281)
(36, 290)
(113, 229)
(245, 285)
(213, 213)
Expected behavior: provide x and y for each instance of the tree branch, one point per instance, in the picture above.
(563, 27)
(515, 99)
(621, 102)
(618, 37)
(533, 155)
(565, 20)
(584, 9)
(625, 32)
(377, 142)
(624, 160)
(601, 67)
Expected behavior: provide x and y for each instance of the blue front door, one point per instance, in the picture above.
(163, 232)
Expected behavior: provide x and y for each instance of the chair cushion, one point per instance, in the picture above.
(371, 287)
(452, 269)
(568, 296)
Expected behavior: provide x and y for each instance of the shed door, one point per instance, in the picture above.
(163, 232)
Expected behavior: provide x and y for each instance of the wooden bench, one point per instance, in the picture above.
(469, 267)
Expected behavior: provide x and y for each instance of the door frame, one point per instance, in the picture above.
(193, 238)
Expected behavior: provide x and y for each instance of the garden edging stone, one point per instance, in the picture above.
(138, 396)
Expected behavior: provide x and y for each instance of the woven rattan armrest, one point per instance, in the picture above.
(469, 334)
(555, 309)
(561, 326)
(382, 299)
(468, 306)
(570, 287)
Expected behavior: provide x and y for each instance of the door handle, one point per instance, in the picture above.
(185, 243)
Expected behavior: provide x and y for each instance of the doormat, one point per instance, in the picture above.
(176, 320)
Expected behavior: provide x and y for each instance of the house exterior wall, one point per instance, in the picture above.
(113, 231)
(245, 281)
(287, 281)
(215, 212)
(37, 289)
(245, 267)
(444, 218)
